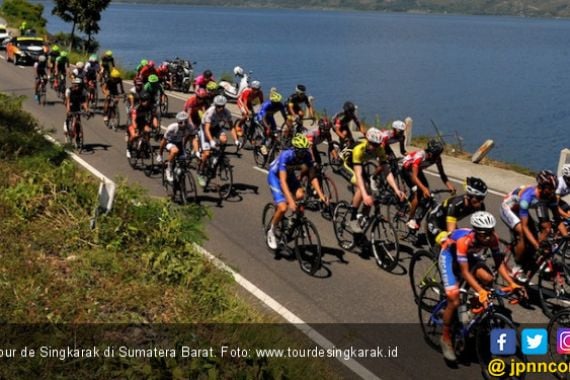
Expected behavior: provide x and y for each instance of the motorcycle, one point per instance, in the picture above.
(233, 90)
(181, 73)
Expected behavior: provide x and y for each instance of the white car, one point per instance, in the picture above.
(4, 36)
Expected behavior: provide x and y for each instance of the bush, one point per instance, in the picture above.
(16, 11)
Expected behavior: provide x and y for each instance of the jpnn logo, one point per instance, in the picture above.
(504, 341)
(534, 341)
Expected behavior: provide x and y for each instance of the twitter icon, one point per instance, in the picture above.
(534, 341)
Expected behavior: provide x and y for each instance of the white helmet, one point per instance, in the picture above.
(79, 65)
(399, 125)
(374, 135)
(255, 84)
(42, 58)
(566, 171)
(483, 221)
(238, 70)
(220, 100)
(181, 116)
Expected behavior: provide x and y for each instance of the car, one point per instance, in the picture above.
(4, 35)
(22, 50)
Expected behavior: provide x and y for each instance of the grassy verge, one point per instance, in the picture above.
(137, 266)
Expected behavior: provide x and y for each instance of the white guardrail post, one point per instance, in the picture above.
(564, 159)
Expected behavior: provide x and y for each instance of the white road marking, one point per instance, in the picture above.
(21, 67)
(261, 170)
(1, 56)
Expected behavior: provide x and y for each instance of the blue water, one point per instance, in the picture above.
(484, 77)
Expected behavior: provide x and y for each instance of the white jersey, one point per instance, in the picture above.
(174, 134)
(562, 189)
(217, 119)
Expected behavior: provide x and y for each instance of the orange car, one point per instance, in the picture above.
(22, 50)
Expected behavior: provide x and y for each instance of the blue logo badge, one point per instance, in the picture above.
(503, 341)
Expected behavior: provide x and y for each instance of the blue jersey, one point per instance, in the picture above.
(269, 108)
(288, 161)
(522, 199)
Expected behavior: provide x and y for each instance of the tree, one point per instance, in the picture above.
(84, 14)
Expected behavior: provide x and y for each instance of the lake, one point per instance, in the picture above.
(503, 78)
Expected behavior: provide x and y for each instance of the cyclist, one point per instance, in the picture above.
(91, 70)
(459, 260)
(515, 214)
(154, 88)
(140, 66)
(246, 101)
(412, 172)
(174, 141)
(143, 120)
(75, 101)
(147, 71)
(79, 72)
(265, 117)
(163, 73)
(52, 58)
(320, 135)
(442, 220)
(341, 122)
(284, 184)
(40, 69)
(562, 190)
(133, 97)
(213, 91)
(195, 107)
(111, 88)
(296, 100)
(215, 120)
(370, 148)
(203, 79)
(107, 64)
(396, 135)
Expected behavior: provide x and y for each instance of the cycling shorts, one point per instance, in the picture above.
(205, 145)
(275, 186)
(450, 272)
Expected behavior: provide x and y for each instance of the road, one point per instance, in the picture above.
(350, 290)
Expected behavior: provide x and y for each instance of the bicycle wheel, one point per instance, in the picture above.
(224, 179)
(188, 188)
(78, 137)
(398, 215)
(424, 270)
(43, 96)
(341, 217)
(169, 187)
(482, 346)
(559, 320)
(385, 246)
(266, 217)
(329, 189)
(432, 303)
(553, 288)
(334, 151)
(259, 158)
(308, 247)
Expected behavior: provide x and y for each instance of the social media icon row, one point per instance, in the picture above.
(533, 341)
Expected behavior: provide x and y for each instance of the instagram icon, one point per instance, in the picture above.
(563, 341)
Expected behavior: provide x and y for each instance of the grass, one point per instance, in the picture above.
(138, 265)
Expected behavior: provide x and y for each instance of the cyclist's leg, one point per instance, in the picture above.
(451, 285)
(279, 199)
(423, 201)
(514, 223)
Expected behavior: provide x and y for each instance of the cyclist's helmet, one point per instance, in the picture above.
(115, 73)
(153, 78)
(275, 97)
(238, 70)
(212, 86)
(77, 81)
(151, 63)
(300, 141)
(374, 136)
(349, 107)
(63, 54)
(109, 53)
(54, 48)
(256, 85)
(325, 124)
(201, 93)
(475, 187)
(546, 179)
(42, 58)
(208, 73)
(399, 125)
(566, 174)
(93, 58)
(79, 65)
(181, 117)
(483, 221)
(144, 62)
(220, 101)
(434, 147)
(301, 89)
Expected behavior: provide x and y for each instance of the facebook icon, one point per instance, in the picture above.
(503, 341)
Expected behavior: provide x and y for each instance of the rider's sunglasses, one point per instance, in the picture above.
(478, 198)
(484, 235)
